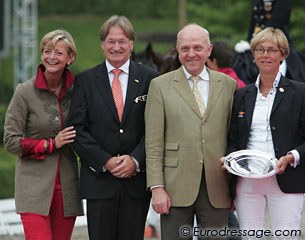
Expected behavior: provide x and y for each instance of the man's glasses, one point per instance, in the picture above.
(114, 42)
(261, 51)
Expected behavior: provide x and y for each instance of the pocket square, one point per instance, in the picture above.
(142, 98)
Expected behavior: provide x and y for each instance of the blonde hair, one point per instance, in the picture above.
(274, 35)
(51, 38)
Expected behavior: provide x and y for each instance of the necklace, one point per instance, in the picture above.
(57, 88)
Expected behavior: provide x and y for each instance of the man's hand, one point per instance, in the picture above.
(160, 200)
(111, 164)
(125, 167)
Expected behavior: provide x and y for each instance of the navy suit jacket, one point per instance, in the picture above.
(287, 124)
(100, 135)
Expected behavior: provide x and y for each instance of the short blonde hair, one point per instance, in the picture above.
(51, 38)
(274, 35)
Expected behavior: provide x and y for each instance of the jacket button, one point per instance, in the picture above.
(121, 131)
(273, 128)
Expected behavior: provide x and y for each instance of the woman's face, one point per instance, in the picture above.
(55, 58)
(268, 57)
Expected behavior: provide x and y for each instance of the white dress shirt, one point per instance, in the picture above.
(203, 84)
(260, 133)
(123, 77)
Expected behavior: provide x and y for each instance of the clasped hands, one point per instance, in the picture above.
(121, 166)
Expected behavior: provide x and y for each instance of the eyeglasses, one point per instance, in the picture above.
(261, 51)
(114, 42)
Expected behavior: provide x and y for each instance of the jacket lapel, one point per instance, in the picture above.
(134, 82)
(215, 90)
(250, 99)
(280, 93)
(183, 88)
(103, 86)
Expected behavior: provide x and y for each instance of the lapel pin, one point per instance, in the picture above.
(136, 80)
(281, 89)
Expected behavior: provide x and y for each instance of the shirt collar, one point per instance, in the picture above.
(204, 75)
(275, 83)
(40, 82)
(124, 67)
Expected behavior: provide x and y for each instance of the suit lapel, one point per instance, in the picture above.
(215, 90)
(183, 88)
(134, 82)
(250, 99)
(103, 86)
(280, 93)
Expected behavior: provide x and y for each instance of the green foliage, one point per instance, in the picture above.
(7, 172)
(222, 26)
(296, 31)
(135, 8)
(2, 118)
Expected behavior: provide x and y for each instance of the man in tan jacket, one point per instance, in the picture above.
(187, 122)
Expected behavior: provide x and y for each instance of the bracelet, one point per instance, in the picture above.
(54, 144)
(51, 145)
(46, 145)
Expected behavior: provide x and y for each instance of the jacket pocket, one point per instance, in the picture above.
(171, 155)
(171, 146)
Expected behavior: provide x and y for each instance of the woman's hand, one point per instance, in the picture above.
(65, 136)
(283, 162)
(222, 161)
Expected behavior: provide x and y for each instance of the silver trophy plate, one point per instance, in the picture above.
(251, 164)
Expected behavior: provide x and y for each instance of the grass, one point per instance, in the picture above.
(6, 159)
(7, 173)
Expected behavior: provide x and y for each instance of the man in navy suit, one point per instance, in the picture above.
(110, 144)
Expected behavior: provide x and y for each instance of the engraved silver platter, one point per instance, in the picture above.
(251, 164)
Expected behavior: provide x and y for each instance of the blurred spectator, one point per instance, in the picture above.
(221, 60)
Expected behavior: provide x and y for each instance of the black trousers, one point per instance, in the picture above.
(121, 217)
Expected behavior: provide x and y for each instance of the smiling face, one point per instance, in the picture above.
(268, 57)
(117, 47)
(194, 48)
(55, 57)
